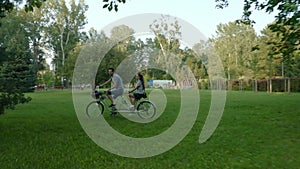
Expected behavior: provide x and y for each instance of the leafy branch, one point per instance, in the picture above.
(112, 4)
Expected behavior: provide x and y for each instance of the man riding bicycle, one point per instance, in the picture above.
(116, 89)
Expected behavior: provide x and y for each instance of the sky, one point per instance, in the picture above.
(202, 14)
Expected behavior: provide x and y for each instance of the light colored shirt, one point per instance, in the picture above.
(140, 87)
(117, 81)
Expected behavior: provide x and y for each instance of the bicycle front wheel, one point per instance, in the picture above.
(146, 110)
(94, 109)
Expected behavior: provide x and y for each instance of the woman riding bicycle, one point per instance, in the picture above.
(140, 90)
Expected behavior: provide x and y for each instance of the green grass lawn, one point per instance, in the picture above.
(257, 130)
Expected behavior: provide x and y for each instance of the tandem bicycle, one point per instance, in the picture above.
(145, 109)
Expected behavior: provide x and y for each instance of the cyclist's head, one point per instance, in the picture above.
(139, 76)
(111, 71)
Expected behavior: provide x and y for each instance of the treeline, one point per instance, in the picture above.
(55, 30)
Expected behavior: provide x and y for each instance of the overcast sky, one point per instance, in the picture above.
(200, 13)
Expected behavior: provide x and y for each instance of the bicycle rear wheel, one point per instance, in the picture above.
(146, 110)
(94, 109)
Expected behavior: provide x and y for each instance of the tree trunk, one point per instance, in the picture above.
(241, 85)
(62, 47)
(1, 109)
(63, 58)
(219, 84)
(255, 85)
(229, 80)
(202, 85)
(271, 86)
(289, 85)
(268, 86)
(285, 86)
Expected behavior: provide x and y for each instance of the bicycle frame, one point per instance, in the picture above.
(143, 108)
(104, 100)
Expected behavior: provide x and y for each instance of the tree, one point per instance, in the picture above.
(71, 60)
(288, 16)
(8, 5)
(288, 9)
(121, 46)
(101, 52)
(234, 43)
(167, 35)
(89, 58)
(17, 73)
(63, 31)
(194, 63)
(284, 61)
(210, 63)
(121, 34)
(34, 24)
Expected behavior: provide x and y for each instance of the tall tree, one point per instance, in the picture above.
(90, 57)
(17, 73)
(283, 61)
(288, 16)
(35, 25)
(121, 42)
(206, 53)
(194, 63)
(234, 43)
(167, 35)
(64, 30)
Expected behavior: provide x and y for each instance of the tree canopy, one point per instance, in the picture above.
(26, 37)
(25, 40)
(8, 5)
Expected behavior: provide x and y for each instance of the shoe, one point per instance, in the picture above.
(131, 107)
(114, 112)
(112, 105)
(114, 109)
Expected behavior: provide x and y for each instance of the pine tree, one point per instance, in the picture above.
(17, 73)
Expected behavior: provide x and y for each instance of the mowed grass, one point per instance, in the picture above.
(257, 130)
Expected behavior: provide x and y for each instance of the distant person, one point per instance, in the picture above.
(116, 89)
(140, 90)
